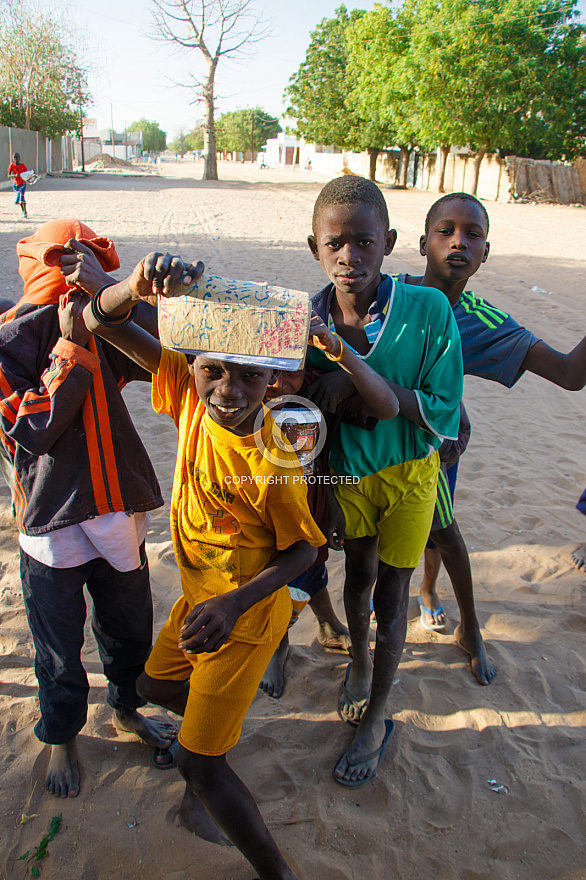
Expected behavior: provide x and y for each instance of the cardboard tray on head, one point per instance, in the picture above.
(239, 321)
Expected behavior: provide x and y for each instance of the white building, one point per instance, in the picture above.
(287, 151)
(127, 145)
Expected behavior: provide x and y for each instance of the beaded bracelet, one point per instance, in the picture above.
(331, 357)
(99, 315)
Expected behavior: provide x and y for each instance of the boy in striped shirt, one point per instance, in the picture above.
(494, 346)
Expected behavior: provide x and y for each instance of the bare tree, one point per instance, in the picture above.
(230, 26)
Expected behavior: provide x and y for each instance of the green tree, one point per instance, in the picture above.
(322, 96)
(248, 129)
(378, 45)
(317, 91)
(153, 139)
(496, 74)
(43, 86)
(187, 141)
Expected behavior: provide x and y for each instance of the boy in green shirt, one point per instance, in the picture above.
(408, 335)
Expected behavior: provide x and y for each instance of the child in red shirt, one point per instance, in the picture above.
(15, 169)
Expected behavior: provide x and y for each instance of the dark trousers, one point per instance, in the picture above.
(122, 623)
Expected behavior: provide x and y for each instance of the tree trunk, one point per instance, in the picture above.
(405, 156)
(477, 163)
(373, 156)
(444, 153)
(210, 167)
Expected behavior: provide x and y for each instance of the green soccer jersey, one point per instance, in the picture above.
(418, 347)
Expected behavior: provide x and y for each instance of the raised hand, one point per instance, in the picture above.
(164, 274)
(322, 337)
(81, 268)
(71, 322)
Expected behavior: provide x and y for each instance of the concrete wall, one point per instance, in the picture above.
(36, 151)
(90, 149)
(121, 151)
(504, 179)
(30, 145)
(493, 181)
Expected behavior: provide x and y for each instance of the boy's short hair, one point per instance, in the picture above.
(351, 190)
(453, 197)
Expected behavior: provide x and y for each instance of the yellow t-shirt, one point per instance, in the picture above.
(232, 510)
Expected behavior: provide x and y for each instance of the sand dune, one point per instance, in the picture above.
(431, 814)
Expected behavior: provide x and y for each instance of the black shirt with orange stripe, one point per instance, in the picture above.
(65, 426)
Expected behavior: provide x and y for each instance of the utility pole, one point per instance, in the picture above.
(252, 141)
(112, 133)
(81, 132)
(80, 122)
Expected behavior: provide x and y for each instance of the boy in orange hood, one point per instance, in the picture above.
(81, 498)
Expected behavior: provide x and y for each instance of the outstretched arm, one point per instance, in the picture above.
(157, 274)
(379, 399)
(566, 370)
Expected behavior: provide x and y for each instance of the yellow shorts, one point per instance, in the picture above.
(222, 684)
(396, 504)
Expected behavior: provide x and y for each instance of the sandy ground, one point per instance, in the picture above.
(431, 814)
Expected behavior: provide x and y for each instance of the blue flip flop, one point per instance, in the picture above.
(431, 627)
(378, 753)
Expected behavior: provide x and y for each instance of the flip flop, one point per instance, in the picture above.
(359, 703)
(171, 750)
(378, 753)
(431, 627)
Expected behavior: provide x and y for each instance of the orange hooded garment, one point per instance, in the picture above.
(39, 261)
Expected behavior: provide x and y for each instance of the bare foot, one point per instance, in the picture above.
(480, 665)
(579, 557)
(354, 694)
(432, 601)
(334, 638)
(194, 816)
(152, 731)
(360, 762)
(273, 681)
(62, 778)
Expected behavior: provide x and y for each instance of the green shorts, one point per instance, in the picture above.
(396, 504)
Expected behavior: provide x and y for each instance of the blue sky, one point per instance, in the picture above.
(134, 74)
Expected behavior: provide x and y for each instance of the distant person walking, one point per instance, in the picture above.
(15, 169)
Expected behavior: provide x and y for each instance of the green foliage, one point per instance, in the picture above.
(378, 62)
(318, 92)
(506, 75)
(186, 142)
(235, 130)
(43, 848)
(153, 139)
(496, 74)
(42, 84)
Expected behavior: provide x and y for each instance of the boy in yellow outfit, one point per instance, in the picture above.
(241, 530)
